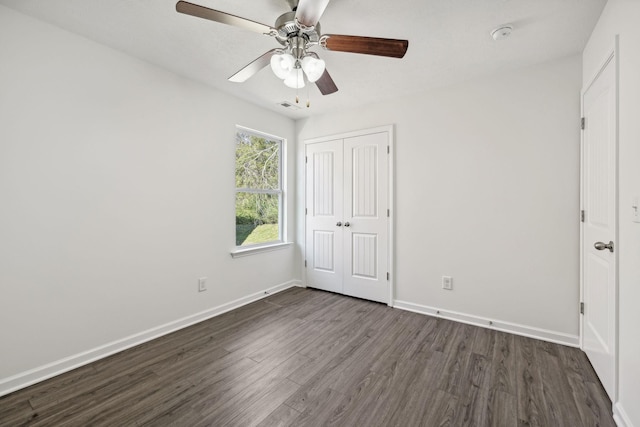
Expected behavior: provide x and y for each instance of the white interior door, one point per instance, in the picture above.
(599, 151)
(366, 223)
(324, 198)
(347, 225)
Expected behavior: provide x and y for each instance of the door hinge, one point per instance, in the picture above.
(306, 159)
(388, 149)
(305, 211)
(387, 275)
(388, 213)
(581, 308)
(305, 263)
(582, 122)
(582, 215)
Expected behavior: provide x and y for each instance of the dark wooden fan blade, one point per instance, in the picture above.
(309, 12)
(224, 18)
(366, 45)
(253, 67)
(325, 84)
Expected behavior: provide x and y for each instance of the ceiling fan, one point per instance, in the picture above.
(298, 31)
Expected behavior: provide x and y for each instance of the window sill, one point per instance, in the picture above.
(240, 252)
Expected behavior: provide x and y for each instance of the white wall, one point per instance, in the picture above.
(622, 17)
(116, 194)
(487, 191)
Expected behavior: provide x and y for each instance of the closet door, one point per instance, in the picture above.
(347, 223)
(324, 198)
(365, 221)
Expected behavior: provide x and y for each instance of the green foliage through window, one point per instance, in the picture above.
(258, 189)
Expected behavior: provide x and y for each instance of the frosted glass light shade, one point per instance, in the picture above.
(295, 79)
(282, 65)
(313, 68)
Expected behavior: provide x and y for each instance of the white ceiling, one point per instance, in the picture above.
(449, 41)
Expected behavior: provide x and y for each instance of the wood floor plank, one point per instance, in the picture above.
(387, 408)
(359, 408)
(484, 342)
(16, 412)
(207, 385)
(305, 357)
(457, 358)
(576, 363)
(299, 336)
(322, 409)
(530, 397)
(503, 367)
(556, 389)
(474, 394)
(415, 406)
(61, 388)
(229, 401)
(255, 406)
(328, 343)
(603, 413)
(282, 416)
(422, 347)
(88, 408)
(502, 410)
(347, 369)
(354, 347)
(591, 412)
(443, 333)
(442, 411)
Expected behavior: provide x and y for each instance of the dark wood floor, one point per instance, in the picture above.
(305, 357)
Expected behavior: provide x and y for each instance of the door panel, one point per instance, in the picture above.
(366, 202)
(324, 211)
(365, 255)
(599, 202)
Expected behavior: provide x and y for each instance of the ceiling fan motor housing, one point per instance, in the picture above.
(287, 29)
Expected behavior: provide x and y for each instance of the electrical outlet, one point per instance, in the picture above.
(202, 284)
(447, 283)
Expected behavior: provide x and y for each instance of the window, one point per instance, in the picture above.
(258, 189)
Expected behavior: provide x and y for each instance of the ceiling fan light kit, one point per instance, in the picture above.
(295, 79)
(298, 31)
(313, 68)
(282, 64)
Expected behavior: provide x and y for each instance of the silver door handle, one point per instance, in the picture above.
(602, 246)
(339, 224)
(346, 224)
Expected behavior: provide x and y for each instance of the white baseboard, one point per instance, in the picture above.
(41, 373)
(514, 328)
(620, 416)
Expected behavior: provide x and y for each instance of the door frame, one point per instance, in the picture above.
(612, 57)
(391, 197)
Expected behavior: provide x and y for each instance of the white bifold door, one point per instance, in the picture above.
(347, 222)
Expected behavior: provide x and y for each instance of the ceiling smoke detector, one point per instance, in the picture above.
(502, 32)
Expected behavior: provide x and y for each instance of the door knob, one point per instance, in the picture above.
(602, 246)
(339, 224)
(346, 224)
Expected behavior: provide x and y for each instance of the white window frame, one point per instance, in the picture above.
(239, 251)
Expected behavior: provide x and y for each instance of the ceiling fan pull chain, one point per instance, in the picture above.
(297, 87)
